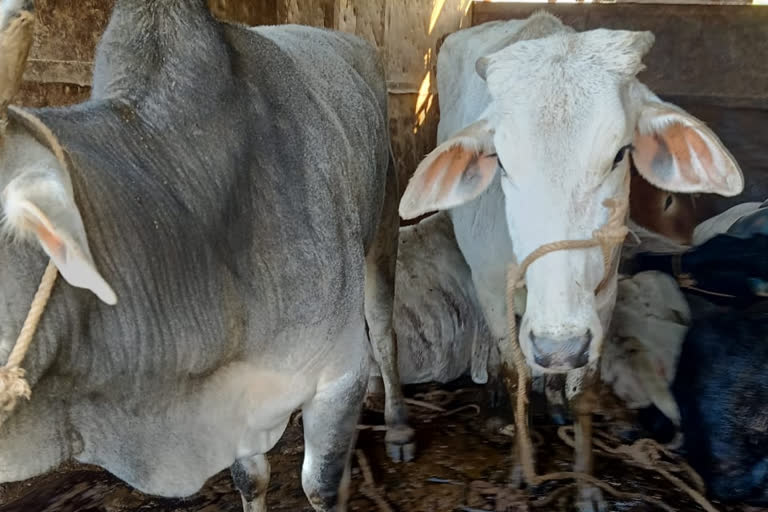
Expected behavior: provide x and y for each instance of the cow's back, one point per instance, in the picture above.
(438, 320)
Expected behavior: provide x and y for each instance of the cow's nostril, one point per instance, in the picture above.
(561, 354)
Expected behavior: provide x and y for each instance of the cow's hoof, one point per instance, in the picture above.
(401, 445)
(591, 499)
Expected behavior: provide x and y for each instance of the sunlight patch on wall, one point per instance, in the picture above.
(436, 10)
(424, 101)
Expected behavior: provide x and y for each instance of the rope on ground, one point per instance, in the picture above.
(583, 477)
(369, 488)
(647, 454)
(427, 401)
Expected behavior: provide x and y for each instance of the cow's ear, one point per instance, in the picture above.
(39, 203)
(456, 172)
(677, 152)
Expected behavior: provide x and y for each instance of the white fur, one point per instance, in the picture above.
(640, 356)
(559, 105)
(9, 8)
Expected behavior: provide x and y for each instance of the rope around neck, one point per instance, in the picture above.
(13, 385)
(609, 237)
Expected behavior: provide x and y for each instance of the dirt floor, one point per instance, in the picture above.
(463, 465)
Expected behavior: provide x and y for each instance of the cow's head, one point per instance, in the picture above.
(35, 189)
(666, 213)
(565, 113)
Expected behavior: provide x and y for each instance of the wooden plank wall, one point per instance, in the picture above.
(712, 51)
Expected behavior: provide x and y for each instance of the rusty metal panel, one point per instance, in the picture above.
(711, 52)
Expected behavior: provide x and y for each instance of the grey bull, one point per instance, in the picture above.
(232, 190)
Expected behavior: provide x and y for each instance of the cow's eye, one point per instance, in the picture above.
(620, 155)
(501, 166)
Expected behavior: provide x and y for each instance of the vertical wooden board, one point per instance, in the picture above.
(317, 13)
(363, 18)
(412, 31)
(248, 12)
(411, 141)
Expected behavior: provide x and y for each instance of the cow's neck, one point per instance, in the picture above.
(156, 44)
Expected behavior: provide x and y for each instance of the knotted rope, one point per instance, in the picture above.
(608, 238)
(645, 452)
(13, 385)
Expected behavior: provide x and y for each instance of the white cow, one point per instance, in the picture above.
(536, 123)
(648, 326)
(438, 322)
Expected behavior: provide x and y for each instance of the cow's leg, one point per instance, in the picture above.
(590, 498)
(491, 293)
(495, 389)
(251, 477)
(330, 431)
(380, 265)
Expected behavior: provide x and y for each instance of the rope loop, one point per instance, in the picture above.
(13, 384)
(609, 237)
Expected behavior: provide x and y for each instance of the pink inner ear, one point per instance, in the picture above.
(457, 167)
(679, 158)
(50, 240)
(448, 167)
(683, 143)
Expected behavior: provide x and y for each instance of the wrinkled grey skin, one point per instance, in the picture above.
(232, 185)
(441, 332)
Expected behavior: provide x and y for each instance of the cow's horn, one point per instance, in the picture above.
(17, 24)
